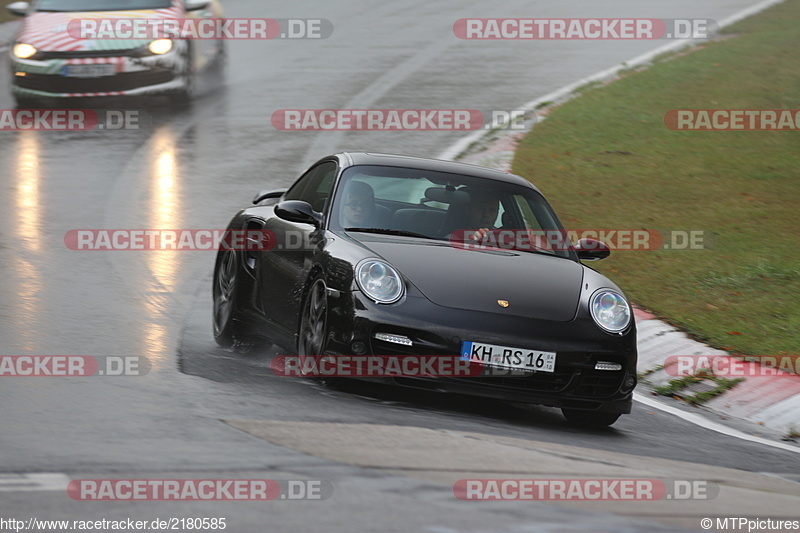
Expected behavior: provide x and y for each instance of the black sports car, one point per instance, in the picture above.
(387, 255)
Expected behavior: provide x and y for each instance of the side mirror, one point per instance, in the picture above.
(592, 250)
(266, 194)
(298, 211)
(19, 9)
(196, 5)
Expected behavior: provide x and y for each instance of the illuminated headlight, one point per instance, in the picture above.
(379, 281)
(24, 51)
(160, 46)
(610, 310)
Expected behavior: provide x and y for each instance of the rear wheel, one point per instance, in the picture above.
(313, 335)
(590, 418)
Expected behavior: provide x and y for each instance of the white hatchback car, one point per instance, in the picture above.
(49, 60)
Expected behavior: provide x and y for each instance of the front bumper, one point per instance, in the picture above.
(434, 330)
(133, 76)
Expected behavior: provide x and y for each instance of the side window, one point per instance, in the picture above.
(314, 186)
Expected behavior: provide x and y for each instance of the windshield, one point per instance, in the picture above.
(100, 5)
(462, 210)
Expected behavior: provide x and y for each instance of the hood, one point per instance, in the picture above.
(49, 31)
(535, 285)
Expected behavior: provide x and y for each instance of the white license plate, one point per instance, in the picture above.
(89, 71)
(509, 357)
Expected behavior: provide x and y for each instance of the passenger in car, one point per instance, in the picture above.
(483, 214)
(479, 214)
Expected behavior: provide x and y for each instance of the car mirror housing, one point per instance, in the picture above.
(298, 211)
(592, 250)
(19, 9)
(196, 5)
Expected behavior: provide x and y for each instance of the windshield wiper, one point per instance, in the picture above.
(386, 231)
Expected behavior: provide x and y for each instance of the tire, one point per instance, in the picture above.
(312, 337)
(220, 65)
(225, 295)
(592, 419)
(23, 102)
(183, 97)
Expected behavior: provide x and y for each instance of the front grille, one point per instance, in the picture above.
(539, 382)
(575, 382)
(599, 383)
(88, 54)
(124, 81)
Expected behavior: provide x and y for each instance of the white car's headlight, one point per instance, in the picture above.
(160, 46)
(610, 310)
(379, 281)
(24, 50)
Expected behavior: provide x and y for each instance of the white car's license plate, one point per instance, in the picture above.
(509, 357)
(89, 71)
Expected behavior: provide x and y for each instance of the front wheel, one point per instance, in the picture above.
(23, 102)
(591, 419)
(312, 336)
(225, 287)
(183, 97)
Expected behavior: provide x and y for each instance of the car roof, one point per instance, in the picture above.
(350, 159)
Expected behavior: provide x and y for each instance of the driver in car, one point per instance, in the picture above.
(483, 210)
(358, 209)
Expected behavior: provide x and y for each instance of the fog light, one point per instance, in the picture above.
(358, 347)
(605, 365)
(630, 383)
(396, 339)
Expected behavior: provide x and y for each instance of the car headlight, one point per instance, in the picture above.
(379, 281)
(24, 51)
(610, 310)
(160, 46)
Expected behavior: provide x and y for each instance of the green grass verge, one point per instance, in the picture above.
(606, 160)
